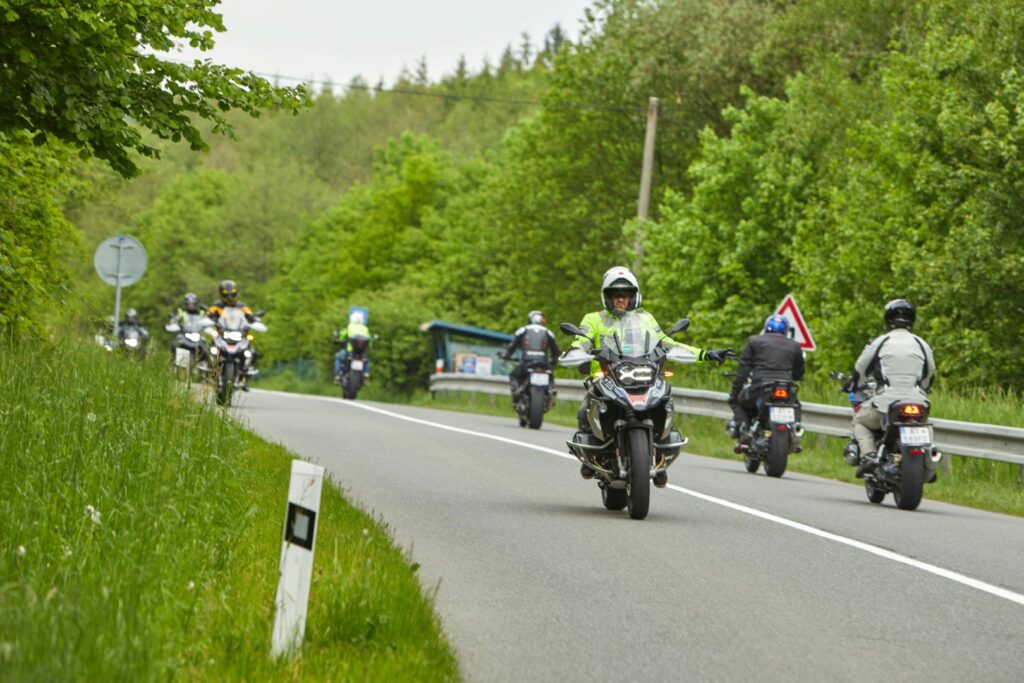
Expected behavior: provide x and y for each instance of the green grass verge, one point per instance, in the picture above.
(140, 537)
(983, 484)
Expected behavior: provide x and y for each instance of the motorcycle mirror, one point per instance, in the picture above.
(680, 326)
(569, 328)
(173, 328)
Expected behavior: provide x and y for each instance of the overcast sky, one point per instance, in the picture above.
(339, 39)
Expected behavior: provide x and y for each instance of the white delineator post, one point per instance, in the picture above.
(297, 547)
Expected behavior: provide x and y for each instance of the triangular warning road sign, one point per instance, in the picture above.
(799, 330)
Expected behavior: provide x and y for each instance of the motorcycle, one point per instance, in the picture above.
(190, 353)
(907, 457)
(629, 410)
(776, 431)
(132, 339)
(353, 370)
(534, 397)
(232, 352)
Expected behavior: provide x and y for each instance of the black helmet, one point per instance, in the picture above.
(229, 292)
(191, 302)
(899, 313)
(536, 318)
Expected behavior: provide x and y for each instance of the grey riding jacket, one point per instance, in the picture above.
(902, 363)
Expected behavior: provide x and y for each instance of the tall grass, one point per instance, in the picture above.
(140, 534)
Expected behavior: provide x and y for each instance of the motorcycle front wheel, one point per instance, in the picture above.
(638, 491)
(227, 384)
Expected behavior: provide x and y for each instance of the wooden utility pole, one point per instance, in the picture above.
(646, 174)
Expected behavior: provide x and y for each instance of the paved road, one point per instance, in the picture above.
(732, 576)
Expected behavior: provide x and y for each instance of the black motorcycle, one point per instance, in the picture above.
(232, 353)
(534, 397)
(629, 410)
(907, 457)
(776, 431)
(190, 352)
(353, 370)
(132, 340)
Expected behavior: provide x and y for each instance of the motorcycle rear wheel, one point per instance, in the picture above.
(638, 491)
(535, 414)
(351, 383)
(778, 454)
(908, 492)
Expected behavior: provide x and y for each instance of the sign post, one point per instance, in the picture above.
(120, 261)
(799, 330)
(296, 566)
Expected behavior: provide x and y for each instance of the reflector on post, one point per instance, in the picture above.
(296, 566)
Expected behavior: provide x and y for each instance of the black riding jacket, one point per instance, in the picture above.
(536, 341)
(768, 356)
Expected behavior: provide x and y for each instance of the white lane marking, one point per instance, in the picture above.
(799, 526)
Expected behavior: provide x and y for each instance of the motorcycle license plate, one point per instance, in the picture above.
(915, 436)
(357, 365)
(779, 414)
(182, 357)
(540, 379)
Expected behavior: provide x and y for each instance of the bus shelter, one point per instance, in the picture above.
(467, 349)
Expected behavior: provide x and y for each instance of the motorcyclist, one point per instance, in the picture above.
(903, 366)
(190, 306)
(768, 356)
(228, 292)
(620, 293)
(537, 343)
(357, 329)
(131, 322)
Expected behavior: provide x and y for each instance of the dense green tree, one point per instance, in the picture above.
(85, 73)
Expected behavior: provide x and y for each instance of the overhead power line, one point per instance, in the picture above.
(456, 97)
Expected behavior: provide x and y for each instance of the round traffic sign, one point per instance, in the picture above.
(120, 260)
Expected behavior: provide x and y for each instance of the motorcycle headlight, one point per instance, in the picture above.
(634, 375)
(214, 351)
(131, 342)
(192, 336)
(234, 336)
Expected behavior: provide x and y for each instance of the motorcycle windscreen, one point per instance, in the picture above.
(632, 335)
(232, 319)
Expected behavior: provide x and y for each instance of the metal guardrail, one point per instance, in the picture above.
(970, 439)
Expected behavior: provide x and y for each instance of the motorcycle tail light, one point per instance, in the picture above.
(916, 451)
(912, 410)
(781, 392)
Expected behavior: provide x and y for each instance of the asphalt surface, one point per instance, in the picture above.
(731, 577)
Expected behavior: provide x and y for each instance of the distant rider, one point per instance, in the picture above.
(538, 343)
(620, 293)
(768, 356)
(229, 299)
(190, 307)
(131, 322)
(356, 330)
(904, 368)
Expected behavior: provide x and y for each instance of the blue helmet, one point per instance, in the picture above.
(777, 324)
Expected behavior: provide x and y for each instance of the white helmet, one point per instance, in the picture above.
(356, 318)
(620, 278)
